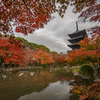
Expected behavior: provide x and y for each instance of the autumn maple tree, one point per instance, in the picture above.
(60, 59)
(28, 15)
(43, 57)
(30, 56)
(11, 52)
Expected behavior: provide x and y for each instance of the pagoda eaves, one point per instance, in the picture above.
(77, 34)
(75, 38)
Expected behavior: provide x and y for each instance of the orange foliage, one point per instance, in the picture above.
(11, 51)
(88, 51)
(92, 43)
(28, 15)
(87, 93)
(60, 58)
(30, 55)
(43, 57)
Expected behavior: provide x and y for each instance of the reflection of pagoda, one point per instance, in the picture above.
(76, 37)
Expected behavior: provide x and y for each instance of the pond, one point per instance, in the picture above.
(38, 84)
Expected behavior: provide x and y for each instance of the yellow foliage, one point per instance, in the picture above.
(77, 92)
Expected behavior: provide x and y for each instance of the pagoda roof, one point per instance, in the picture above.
(77, 33)
(74, 46)
(76, 39)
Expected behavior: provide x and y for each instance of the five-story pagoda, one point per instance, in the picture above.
(76, 37)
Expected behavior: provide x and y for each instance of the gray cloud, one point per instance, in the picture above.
(53, 43)
(54, 34)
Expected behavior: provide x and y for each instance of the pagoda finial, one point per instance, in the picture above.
(76, 26)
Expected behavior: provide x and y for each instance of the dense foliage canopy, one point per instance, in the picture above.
(12, 51)
(18, 51)
(29, 15)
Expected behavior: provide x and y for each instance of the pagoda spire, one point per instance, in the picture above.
(76, 26)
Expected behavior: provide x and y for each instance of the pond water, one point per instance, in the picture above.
(38, 84)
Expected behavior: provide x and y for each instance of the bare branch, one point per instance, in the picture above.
(27, 7)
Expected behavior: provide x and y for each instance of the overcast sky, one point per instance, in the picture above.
(54, 34)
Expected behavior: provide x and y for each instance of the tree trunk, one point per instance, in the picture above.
(96, 73)
(2, 63)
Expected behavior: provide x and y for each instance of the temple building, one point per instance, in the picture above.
(76, 37)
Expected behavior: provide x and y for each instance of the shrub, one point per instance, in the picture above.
(45, 65)
(77, 70)
(61, 66)
(87, 70)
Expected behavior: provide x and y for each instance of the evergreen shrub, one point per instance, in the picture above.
(61, 66)
(87, 70)
(45, 65)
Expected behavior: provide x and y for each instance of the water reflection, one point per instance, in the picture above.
(55, 91)
(37, 85)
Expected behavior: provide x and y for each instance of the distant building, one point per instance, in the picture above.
(76, 37)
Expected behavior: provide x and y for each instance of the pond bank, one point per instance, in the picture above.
(83, 76)
(9, 69)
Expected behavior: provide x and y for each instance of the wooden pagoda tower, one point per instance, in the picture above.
(76, 37)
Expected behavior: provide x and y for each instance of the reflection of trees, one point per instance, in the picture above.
(22, 83)
(14, 86)
(74, 97)
(77, 80)
(65, 75)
